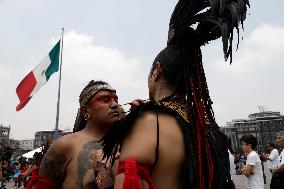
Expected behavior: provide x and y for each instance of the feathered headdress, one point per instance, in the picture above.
(210, 19)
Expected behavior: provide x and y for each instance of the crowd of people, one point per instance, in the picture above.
(250, 162)
(14, 170)
(21, 170)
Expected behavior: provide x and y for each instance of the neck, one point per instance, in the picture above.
(250, 150)
(94, 131)
(161, 92)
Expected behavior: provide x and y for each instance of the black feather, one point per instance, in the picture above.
(220, 19)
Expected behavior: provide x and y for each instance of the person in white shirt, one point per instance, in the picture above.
(231, 160)
(232, 164)
(277, 180)
(252, 170)
(272, 158)
(231, 157)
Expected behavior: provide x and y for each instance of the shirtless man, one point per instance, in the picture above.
(73, 161)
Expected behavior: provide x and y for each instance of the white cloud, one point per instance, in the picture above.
(262, 48)
(268, 37)
(84, 60)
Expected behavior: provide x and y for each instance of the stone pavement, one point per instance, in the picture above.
(9, 185)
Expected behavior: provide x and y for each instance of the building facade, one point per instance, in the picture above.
(26, 144)
(42, 136)
(263, 125)
(5, 132)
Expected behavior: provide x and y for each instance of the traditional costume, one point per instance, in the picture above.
(193, 24)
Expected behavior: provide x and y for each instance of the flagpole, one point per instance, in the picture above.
(56, 136)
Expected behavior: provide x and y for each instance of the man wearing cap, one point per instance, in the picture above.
(74, 161)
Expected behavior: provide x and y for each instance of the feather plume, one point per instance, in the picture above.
(214, 19)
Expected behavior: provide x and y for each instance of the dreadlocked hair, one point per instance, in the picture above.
(80, 122)
(195, 23)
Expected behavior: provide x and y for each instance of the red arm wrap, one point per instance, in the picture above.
(134, 172)
(45, 183)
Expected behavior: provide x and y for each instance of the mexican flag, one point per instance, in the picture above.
(38, 76)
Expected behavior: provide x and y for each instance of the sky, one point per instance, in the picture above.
(117, 41)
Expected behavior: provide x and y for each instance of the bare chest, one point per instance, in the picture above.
(81, 170)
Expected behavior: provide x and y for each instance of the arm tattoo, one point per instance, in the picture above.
(85, 160)
(52, 165)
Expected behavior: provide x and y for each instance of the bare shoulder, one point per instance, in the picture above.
(141, 142)
(57, 157)
(64, 145)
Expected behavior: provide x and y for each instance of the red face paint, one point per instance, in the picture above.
(103, 97)
(104, 109)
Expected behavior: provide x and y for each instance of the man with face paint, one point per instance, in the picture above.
(74, 161)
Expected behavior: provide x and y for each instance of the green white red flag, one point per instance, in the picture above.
(38, 76)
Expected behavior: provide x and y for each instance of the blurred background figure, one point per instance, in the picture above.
(277, 180)
(238, 163)
(24, 166)
(5, 155)
(231, 160)
(262, 159)
(231, 157)
(272, 158)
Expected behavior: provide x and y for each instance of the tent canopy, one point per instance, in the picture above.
(31, 153)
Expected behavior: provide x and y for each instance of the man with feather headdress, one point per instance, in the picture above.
(173, 141)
